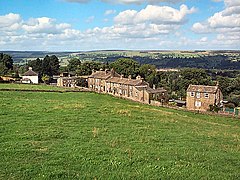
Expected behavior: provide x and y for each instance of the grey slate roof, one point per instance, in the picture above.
(30, 72)
(104, 74)
(202, 88)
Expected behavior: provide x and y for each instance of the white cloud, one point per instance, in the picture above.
(141, 1)
(138, 2)
(10, 22)
(230, 3)
(155, 14)
(44, 25)
(90, 19)
(109, 12)
(78, 1)
(224, 24)
(153, 27)
(217, 0)
(204, 39)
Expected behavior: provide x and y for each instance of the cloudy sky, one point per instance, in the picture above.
(75, 25)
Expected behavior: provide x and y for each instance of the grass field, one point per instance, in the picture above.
(94, 136)
(29, 87)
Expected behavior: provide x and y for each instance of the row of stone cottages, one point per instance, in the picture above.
(199, 97)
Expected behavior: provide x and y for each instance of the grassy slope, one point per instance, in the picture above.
(30, 87)
(87, 135)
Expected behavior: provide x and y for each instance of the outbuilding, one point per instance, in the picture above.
(30, 77)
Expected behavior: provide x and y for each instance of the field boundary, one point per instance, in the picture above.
(44, 90)
(220, 114)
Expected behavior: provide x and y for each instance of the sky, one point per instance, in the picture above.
(84, 25)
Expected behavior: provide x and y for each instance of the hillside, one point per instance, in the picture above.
(94, 136)
(161, 59)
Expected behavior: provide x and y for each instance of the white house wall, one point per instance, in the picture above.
(34, 79)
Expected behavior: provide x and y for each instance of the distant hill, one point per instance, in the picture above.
(221, 59)
(19, 56)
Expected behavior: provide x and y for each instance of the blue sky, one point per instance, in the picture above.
(76, 25)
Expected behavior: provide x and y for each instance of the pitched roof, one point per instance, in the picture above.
(158, 90)
(152, 91)
(104, 74)
(126, 81)
(202, 88)
(30, 72)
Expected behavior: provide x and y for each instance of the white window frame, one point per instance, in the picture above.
(206, 95)
(192, 94)
(198, 95)
(198, 104)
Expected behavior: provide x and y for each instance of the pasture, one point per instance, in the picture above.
(93, 136)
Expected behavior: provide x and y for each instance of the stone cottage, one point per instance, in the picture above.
(135, 89)
(200, 97)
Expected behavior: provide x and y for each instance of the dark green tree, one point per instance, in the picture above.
(36, 65)
(87, 67)
(146, 70)
(73, 64)
(6, 63)
(50, 65)
(126, 66)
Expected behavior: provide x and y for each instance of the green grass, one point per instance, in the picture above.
(29, 86)
(94, 136)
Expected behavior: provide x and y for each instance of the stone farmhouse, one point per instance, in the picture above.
(30, 77)
(200, 97)
(135, 89)
(67, 81)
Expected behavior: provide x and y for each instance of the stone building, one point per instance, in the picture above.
(200, 97)
(67, 81)
(135, 89)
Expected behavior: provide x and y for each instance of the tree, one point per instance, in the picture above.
(50, 65)
(45, 78)
(126, 66)
(6, 63)
(87, 67)
(36, 65)
(146, 70)
(73, 64)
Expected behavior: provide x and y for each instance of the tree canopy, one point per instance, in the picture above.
(48, 66)
(126, 66)
(73, 64)
(6, 63)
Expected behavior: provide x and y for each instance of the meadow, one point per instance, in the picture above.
(93, 136)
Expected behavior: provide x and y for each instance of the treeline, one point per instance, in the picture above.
(6, 64)
(204, 62)
(175, 82)
(46, 67)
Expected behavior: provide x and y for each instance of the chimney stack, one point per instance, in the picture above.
(138, 77)
(106, 71)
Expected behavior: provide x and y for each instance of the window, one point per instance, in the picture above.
(198, 103)
(198, 94)
(206, 95)
(192, 94)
